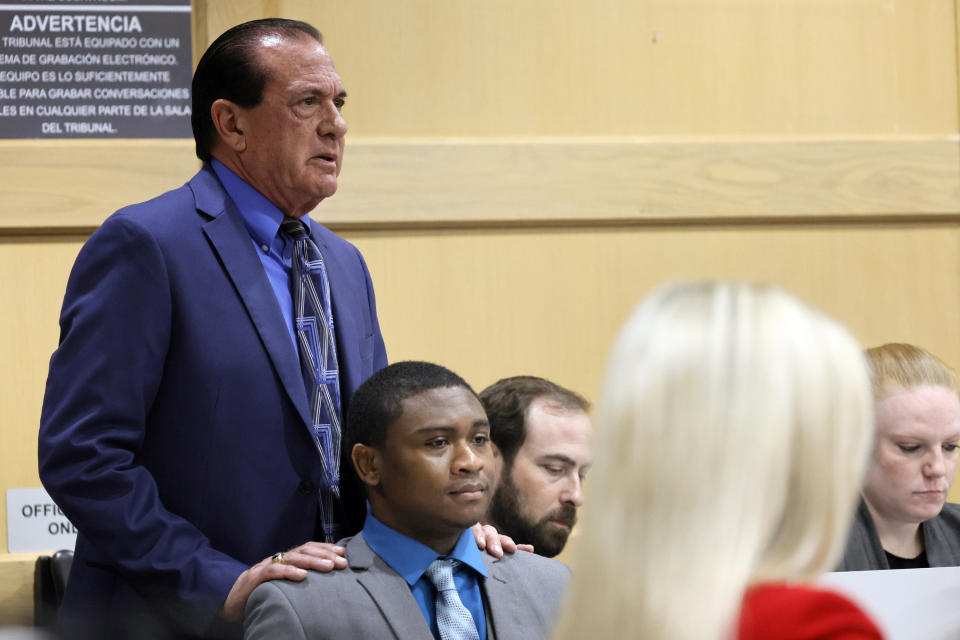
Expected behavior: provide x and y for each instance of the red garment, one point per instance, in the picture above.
(788, 612)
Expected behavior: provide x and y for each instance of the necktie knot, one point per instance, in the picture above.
(454, 621)
(440, 573)
(294, 228)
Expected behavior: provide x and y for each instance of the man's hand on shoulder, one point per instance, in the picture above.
(290, 565)
(488, 538)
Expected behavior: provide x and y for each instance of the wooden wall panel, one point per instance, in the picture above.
(74, 185)
(653, 67)
(16, 591)
(548, 301)
(34, 276)
(582, 179)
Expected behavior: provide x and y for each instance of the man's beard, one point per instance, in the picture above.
(506, 513)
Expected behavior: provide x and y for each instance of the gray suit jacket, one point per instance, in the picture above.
(368, 599)
(941, 541)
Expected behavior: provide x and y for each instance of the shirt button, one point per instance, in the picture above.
(265, 248)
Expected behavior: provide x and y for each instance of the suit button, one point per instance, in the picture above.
(307, 488)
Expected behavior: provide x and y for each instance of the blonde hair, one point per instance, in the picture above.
(897, 364)
(733, 428)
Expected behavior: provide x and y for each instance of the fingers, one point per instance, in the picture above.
(264, 570)
(291, 565)
(507, 543)
(321, 549)
(477, 531)
(495, 544)
(319, 556)
(525, 547)
(269, 570)
(490, 540)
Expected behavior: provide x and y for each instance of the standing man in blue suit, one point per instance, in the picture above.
(176, 430)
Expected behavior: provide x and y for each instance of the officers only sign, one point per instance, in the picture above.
(36, 523)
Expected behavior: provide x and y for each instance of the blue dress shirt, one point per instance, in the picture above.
(410, 559)
(262, 219)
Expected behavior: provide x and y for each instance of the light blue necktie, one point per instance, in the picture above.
(453, 619)
(317, 344)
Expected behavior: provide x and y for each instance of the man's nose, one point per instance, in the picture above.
(467, 459)
(333, 123)
(573, 493)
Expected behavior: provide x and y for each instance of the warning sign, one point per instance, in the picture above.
(95, 69)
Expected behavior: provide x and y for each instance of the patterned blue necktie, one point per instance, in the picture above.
(313, 319)
(453, 619)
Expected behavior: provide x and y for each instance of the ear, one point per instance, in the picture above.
(229, 122)
(366, 462)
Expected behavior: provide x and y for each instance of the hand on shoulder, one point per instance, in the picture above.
(288, 565)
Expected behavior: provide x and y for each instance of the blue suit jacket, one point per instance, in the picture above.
(175, 428)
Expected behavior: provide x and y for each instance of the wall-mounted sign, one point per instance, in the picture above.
(95, 69)
(36, 523)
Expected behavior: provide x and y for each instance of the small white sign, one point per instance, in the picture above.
(36, 523)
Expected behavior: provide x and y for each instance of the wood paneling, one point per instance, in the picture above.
(649, 67)
(548, 301)
(34, 278)
(74, 185)
(16, 589)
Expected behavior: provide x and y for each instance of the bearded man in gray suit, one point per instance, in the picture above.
(419, 441)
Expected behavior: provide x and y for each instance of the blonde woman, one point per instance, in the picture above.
(903, 521)
(733, 428)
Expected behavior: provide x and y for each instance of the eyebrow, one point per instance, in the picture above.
(916, 436)
(449, 428)
(558, 457)
(315, 90)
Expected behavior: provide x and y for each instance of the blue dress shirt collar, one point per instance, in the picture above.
(261, 216)
(410, 558)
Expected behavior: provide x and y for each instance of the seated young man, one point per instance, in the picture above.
(420, 443)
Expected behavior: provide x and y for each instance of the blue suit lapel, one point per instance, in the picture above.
(231, 241)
